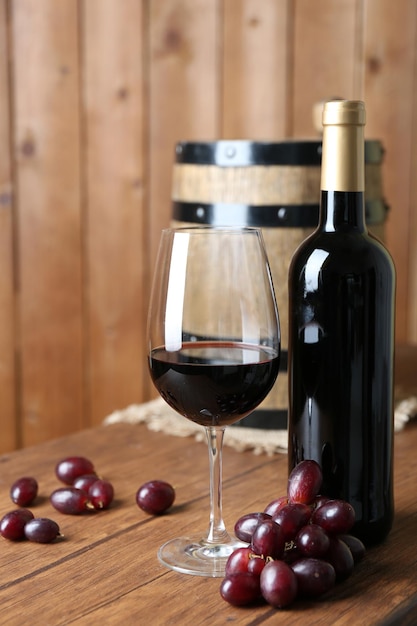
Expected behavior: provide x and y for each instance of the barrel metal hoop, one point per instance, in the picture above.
(243, 153)
(262, 216)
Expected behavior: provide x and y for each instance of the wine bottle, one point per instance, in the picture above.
(341, 337)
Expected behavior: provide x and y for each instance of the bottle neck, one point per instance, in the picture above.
(342, 211)
(343, 178)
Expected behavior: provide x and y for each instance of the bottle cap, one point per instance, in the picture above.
(342, 164)
(344, 112)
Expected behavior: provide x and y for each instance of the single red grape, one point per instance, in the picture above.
(268, 540)
(355, 545)
(246, 524)
(314, 576)
(101, 494)
(155, 497)
(256, 564)
(12, 524)
(41, 530)
(24, 491)
(340, 556)
(85, 481)
(335, 516)
(273, 507)
(70, 468)
(291, 518)
(304, 482)
(278, 584)
(70, 500)
(237, 563)
(240, 589)
(312, 541)
(319, 501)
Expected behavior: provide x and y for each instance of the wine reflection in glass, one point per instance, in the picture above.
(214, 348)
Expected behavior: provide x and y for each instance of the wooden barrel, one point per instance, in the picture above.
(274, 186)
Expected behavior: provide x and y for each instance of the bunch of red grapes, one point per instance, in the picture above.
(299, 546)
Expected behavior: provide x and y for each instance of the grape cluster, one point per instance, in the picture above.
(84, 490)
(299, 546)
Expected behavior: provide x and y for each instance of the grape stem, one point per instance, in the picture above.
(217, 530)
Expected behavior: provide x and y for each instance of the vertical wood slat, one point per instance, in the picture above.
(390, 63)
(46, 71)
(412, 321)
(184, 92)
(256, 51)
(113, 44)
(325, 39)
(8, 378)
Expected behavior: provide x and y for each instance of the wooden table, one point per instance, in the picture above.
(106, 569)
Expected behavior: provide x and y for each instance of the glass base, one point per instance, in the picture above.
(194, 555)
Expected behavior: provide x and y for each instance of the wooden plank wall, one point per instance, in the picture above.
(94, 94)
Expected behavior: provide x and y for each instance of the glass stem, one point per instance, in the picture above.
(217, 531)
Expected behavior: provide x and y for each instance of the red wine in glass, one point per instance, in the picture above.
(224, 381)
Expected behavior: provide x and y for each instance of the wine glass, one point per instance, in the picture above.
(214, 348)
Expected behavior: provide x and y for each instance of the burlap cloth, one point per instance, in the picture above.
(158, 416)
